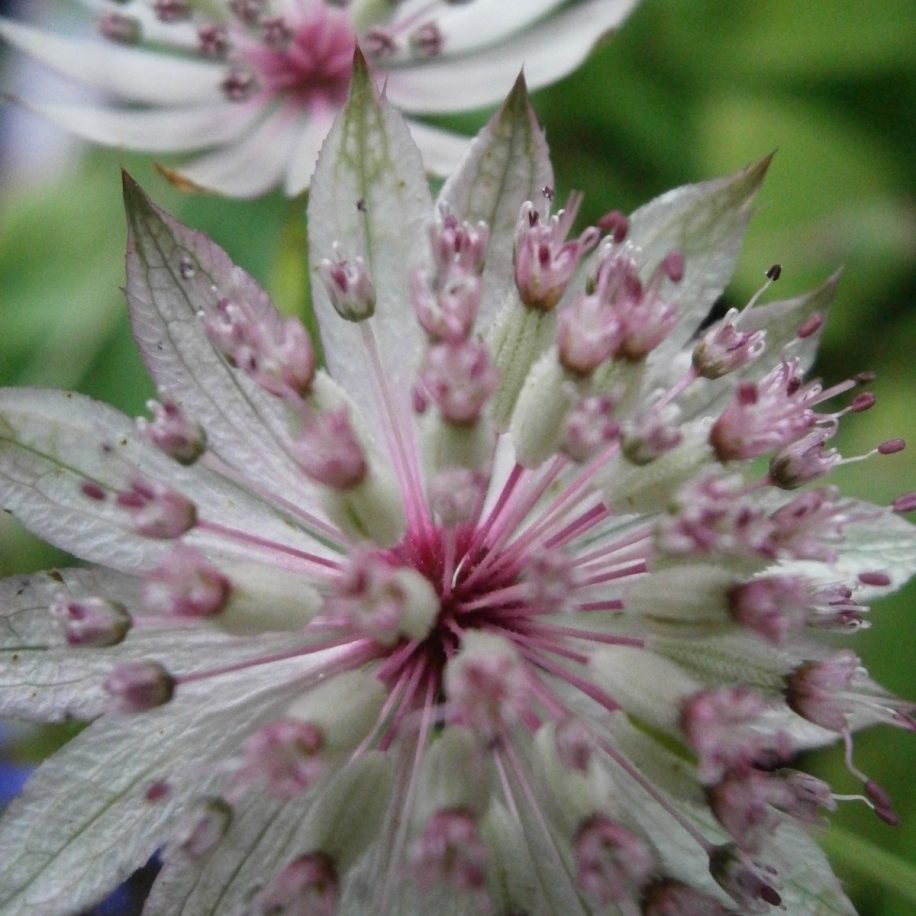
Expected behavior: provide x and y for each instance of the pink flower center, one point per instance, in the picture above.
(310, 61)
(473, 596)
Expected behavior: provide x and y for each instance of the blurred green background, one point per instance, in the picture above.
(688, 90)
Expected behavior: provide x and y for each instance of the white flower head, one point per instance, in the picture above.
(250, 88)
(416, 635)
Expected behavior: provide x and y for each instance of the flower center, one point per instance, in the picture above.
(309, 59)
(474, 593)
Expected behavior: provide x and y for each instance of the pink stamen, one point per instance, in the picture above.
(274, 546)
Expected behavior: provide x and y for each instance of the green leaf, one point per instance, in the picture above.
(863, 857)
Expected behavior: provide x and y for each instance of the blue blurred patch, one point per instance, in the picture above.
(12, 778)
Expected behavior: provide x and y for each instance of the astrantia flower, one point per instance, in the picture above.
(254, 85)
(481, 618)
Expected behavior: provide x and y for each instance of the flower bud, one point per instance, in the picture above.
(172, 432)
(348, 285)
(139, 686)
(93, 622)
(185, 584)
(612, 862)
(724, 348)
(308, 884)
(157, 510)
(202, 828)
(486, 685)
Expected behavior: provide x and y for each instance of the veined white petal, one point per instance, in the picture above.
(256, 846)
(546, 51)
(131, 73)
(246, 427)
(82, 824)
(810, 887)
(247, 168)
(885, 543)
(506, 164)
(154, 130)
(52, 442)
(706, 223)
(370, 195)
(42, 679)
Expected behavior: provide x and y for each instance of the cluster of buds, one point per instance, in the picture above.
(446, 298)
(487, 686)
(643, 313)
(456, 373)
(545, 256)
(185, 584)
(777, 607)
(566, 402)
(714, 515)
(329, 451)
(723, 727)
(765, 416)
(450, 852)
(749, 803)
(459, 378)
(725, 347)
(446, 304)
(276, 352)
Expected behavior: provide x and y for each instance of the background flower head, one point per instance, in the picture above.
(252, 86)
(558, 578)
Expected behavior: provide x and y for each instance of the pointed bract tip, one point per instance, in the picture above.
(360, 64)
(517, 106)
(757, 171)
(519, 91)
(135, 198)
(360, 77)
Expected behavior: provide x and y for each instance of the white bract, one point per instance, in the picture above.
(251, 87)
(499, 612)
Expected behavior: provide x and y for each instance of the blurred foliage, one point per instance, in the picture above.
(690, 89)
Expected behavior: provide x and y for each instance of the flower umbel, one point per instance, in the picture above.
(251, 87)
(496, 613)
